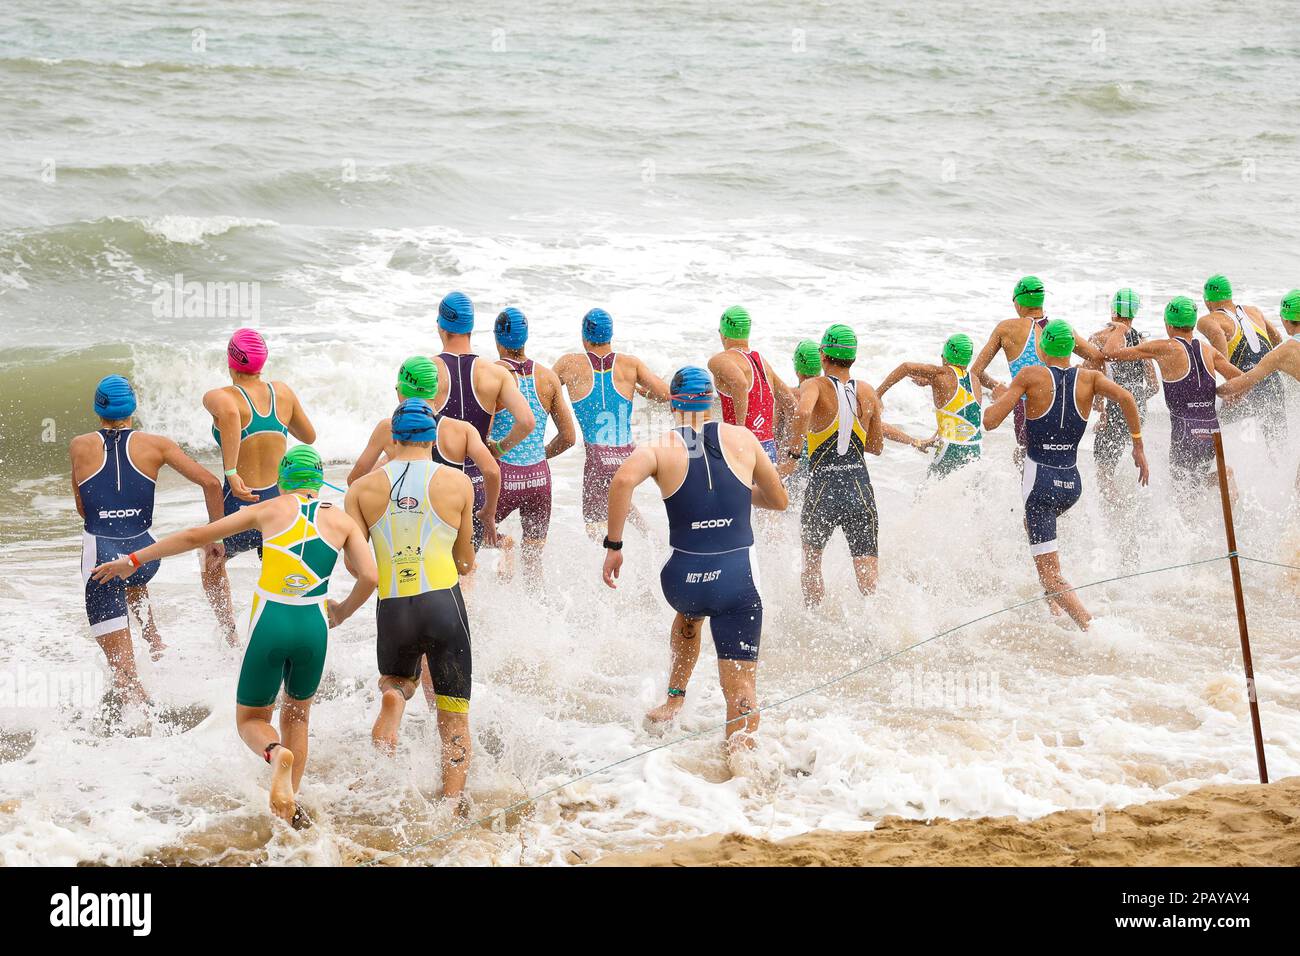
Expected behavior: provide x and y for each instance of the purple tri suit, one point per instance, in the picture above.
(463, 405)
(1192, 417)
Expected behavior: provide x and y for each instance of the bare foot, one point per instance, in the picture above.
(155, 642)
(665, 713)
(384, 733)
(458, 803)
(283, 804)
(232, 638)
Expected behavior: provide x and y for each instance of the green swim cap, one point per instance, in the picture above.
(807, 358)
(840, 342)
(1290, 308)
(1057, 338)
(958, 349)
(301, 467)
(1181, 312)
(1125, 304)
(418, 377)
(1029, 292)
(735, 323)
(1217, 289)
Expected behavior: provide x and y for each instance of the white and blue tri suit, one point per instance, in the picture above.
(711, 571)
(118, 504)
(1051, 483)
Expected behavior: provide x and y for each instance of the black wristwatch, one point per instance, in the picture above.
(613, 545)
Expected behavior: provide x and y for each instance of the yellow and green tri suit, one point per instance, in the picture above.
(1267, 400)
(289, 629)
(839, 493)
(959, 428)
(421, 612)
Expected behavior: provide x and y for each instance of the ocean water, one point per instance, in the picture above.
(896, 167)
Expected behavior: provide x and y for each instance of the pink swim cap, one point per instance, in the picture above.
(246, 351)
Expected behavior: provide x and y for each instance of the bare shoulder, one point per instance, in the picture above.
(219, 396)
(451, 480)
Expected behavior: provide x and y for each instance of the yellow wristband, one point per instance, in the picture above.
(1136, 436)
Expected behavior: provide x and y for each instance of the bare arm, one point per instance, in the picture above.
(225, 414)
(512, 400)
(1121, 396)
(566, 432)
(649, 384)
(190, 469)
(361, 563)
(1114, 349)
(1224, 367)
(478, 453)
(1213, 332)
(462, 549)
(1091, 355)
(784, 398)
(919, 371)
(769, 490)
(729, 379)
(1000, 408)
(370, 455)
(1243, 382)
(299, 425)
(981, 363)
(76, 489)
(245, 519)
(640, 465)
(874, 412)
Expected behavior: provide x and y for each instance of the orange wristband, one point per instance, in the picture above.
(134, 559)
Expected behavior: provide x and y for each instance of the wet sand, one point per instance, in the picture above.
(1238, 825)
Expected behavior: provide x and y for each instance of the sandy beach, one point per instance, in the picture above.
(1244, 825)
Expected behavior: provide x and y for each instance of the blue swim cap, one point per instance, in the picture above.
(691, 390)
(114, 398)
(456, 313)
(511, 329)
(597, 327)
(414, 420)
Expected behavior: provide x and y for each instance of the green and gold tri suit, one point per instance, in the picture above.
(421, 613)
(289, 629)
(959, 421)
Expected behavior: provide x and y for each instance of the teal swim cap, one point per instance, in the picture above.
(1181, 312)
(1125, 304)
(840, 342)
(1029, 293)
(958, 349)
(735, 323)
(691, 390)
(807, 359)
(1217, 289)
(301, 467)
(1057, 338)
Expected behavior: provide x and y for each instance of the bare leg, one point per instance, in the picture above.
(685, 643)
(457, 747)
(426, 679)
(137, 599)
(867, 570)
(256, 730)
(1049, 572)
(121, 661)
(531, 559)
(811, 577)
(294, 715)
(396, 691)
(216, 585)
(738, 680)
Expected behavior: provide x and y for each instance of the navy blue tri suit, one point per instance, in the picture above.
(711, 572)
(1051, 483)
(118, 504)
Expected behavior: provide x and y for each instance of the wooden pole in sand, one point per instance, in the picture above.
(1231, 532)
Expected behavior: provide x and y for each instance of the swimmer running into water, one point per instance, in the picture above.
(252, 443)
(956, 395)
(601, 384)
(472, 391)
(114, 473)
(1058, 399)
(752, 393)
(711, 477)
(1246, 337)
(419, 518)
(302, 538)
(526, 468)
(1016, 339)
(840, 419)
(1187, 366)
